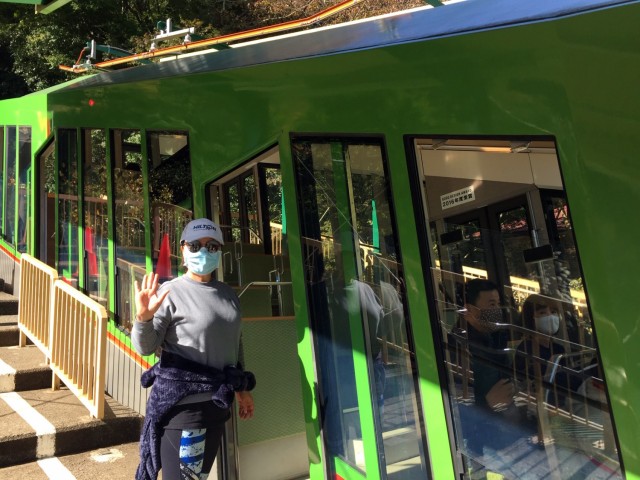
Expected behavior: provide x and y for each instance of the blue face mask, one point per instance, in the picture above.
(201, 262)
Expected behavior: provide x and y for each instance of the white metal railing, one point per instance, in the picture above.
(36, 284)
(68, 327)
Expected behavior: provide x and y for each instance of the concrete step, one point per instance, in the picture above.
(44, 423)
(8, 304)
(23, 369)
(118, 462)
(8, 332)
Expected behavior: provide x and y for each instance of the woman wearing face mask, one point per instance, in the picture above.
(542, 319)
(196, 320)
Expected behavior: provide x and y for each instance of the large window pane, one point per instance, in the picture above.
(68, 205)
(275, 209)
(525, 383)
(321, 225)
(129, 220)
(241, 219)
(171, 198)
(96, 219)
(10, 186)
(387, 337)
(24, 188)
(356, 294)
(2, 156)
(46, 213)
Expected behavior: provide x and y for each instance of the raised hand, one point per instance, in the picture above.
(147, 300)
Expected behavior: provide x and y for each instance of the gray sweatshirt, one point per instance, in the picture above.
(198, 321)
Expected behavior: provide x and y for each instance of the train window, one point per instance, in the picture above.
(24, 187)
(524, 379)
(67, 232)
(170, 195)
(129, 220)
(2, 146)
(243, 221)
(273, 219)
(355, 290)
(95, 214)
(10, 185)
(46, 214)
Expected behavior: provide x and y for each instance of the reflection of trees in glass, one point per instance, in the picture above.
(170, 182)
(241, 203)
(95, 164)
(95, 182)
(128, 192)
(129, 209)
(170, 193)
(367, 177)
(68, 219)
(50, 173)
(251, 205)
(129, 218)
(96, 218)
(273, 180)
(2, 163)
(315, 177)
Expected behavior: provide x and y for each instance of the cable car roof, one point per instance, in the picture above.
(420, 24)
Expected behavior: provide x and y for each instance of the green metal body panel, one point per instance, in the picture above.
(573, 78)
(304, 335)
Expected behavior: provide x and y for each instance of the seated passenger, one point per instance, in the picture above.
(541, 318)
(539, 349)
(493, 421)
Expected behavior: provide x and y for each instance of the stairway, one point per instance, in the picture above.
(39, 425)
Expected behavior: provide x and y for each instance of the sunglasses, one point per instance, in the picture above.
(195, 247)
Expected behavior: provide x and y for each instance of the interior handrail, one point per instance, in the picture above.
(261, 284)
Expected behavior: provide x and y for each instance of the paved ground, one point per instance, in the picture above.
(113, 463)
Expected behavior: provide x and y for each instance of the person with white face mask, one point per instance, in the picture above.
(542, 319)
(195, 319)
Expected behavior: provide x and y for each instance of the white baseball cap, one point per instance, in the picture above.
(199, 228)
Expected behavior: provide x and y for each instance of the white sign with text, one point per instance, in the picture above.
(453, 199)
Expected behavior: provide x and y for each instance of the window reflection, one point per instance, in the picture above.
(240, 219)
(356, 295)
(46, 213)
(10, 185)
(24, 188)
(2, 156)
(68, 206)
(129, 220)
(96, 218)
(526, 389)
(170, 197)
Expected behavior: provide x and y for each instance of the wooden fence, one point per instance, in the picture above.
(69, 328)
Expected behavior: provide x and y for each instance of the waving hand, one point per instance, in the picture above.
(147, 300)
